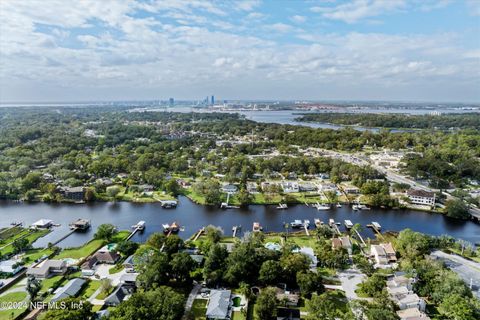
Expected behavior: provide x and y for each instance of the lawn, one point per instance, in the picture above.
(238, 315)
(116, 268)
(13, 297)
(199, 308)
(81, 252)
(301, 240)
(13, 312)
(91, 287)
(50, 282)
(6, 233)
(31, 236)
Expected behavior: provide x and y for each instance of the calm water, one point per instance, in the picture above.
(192, 217)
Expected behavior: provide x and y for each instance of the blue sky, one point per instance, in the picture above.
(412, 50)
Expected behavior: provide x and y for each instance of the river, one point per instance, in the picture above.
(192, 217)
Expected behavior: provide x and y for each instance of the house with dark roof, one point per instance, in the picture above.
(121, 293)
(71, 289)
(219, 306)
(105, 256)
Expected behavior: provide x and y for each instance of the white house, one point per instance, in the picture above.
(421, 197)
(290, 186)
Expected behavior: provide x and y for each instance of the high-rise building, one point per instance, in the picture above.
(171, 102)
(212, 101)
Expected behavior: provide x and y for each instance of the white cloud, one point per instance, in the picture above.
(279, 27)
(246, 5)
(298, 19)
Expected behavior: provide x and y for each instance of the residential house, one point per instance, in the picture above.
(336, 244)
(383, 254)
(121, 293)
(290, 186)
(307, 187)
(421, 197)
(88, 267)
(308, 251)
(73, 193)
(71, 289)
(410, 300)
(252, 187)
(328, 187)
(129, 264)
(219, 306)
(106, 256)
(10, 267)
(289, 298)
(47, 269)
(129, 278)
(229, 188)
(412, 314)
(351, 190)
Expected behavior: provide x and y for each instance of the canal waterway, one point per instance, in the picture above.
(192, 217)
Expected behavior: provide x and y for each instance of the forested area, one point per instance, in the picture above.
(79, 145)
(393, 120)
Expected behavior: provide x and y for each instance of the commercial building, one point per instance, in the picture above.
(421, 197)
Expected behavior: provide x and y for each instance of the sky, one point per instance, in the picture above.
(90, 50)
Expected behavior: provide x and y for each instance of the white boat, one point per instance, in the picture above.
(257, 227)
(140, 225)
(323, 207)
(348, 224)
(331, 222)
(282, 206)
(363, 207)
(339, 205)
(318, 222)
(306, 223)
(296, 224)
(376, 225)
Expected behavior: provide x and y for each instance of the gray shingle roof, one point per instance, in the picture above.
(219, 304)
(69, 290)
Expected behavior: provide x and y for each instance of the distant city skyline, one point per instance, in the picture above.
(359, 50)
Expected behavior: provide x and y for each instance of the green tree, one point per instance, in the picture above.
(270, 272)
(173, 244)
(309, 282)
(105, 231)
(213, 234)
(322, 307)
(127, 247)
(266, 306)
(156, 240)
(33, 287)
(154, 271)
(161, 303)
(215, 263)
(457, 209)
(373, 286)
(20, 245)
(244, 197)
(182, 264)
(74, 309)
(113, 192)
(456, 307)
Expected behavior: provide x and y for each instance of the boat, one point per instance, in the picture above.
(356, 207)
(296, 224)
(257, 227)
(376, 225)
(225, 205)
(339, 205)
(348, 224)
(317, 222)
(171, 228)
(363, 207)
(80, 224)
(168, 204)
(282, 206)
(331, 222)
(306, 223)
(140, 225)
(323, 207)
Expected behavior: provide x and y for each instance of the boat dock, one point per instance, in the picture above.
(236, 229)
(306, 225)
(168, 229)
(318, 223)
(80, 225)
(198, 234)
(334, 226)
(257, 227)
(376, 227)
(140, 226)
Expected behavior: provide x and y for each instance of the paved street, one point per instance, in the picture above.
(468, 270)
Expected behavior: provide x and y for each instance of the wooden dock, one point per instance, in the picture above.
(236, 229)
(64, 237)
(306, 229)
(198, 234)
(360, 237)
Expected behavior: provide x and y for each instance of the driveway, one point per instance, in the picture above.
(102, 271)
(192, 296)
(350, 279)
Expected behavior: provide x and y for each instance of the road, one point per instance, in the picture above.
(350, 280)
(468, 270)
